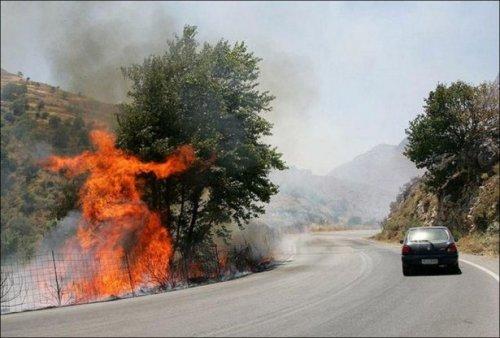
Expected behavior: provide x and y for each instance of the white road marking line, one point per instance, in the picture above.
(489, 272)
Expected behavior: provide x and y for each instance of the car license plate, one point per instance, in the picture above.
(429, 261)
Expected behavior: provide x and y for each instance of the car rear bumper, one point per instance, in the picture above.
(442, 259)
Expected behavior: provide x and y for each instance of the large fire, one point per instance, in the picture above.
(117, 227)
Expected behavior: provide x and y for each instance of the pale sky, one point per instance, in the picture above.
(347, 75)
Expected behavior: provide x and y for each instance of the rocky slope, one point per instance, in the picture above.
(477, 211)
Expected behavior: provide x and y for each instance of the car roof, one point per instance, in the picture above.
(430, 227)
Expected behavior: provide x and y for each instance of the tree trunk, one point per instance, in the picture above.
(188, 245)
(180, 221)
(440, 209)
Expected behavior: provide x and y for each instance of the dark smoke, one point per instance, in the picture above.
(86, 43)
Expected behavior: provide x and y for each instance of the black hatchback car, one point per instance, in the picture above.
(429, 247)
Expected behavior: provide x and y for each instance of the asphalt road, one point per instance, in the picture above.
(336, 284)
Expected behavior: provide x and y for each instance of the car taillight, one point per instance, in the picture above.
(406, 250)
(452, 248)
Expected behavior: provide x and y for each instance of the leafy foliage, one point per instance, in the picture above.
(459, 122)
(206, 97)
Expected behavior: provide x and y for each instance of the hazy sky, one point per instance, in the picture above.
(347, 76)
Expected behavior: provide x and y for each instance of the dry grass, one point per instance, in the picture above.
(60, 102)
(382, 237)
(479, 244)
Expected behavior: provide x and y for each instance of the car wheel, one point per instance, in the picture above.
(454, 268)
(406, 270)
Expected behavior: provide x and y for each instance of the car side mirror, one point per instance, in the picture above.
(401, 241)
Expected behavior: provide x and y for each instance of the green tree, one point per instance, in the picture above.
(208, 97)
(456, 139)
(458, 122)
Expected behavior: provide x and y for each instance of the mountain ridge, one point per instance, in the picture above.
(361, 188)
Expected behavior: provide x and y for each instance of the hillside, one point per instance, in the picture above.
(42, 97)
(38, 120)
(476, 211)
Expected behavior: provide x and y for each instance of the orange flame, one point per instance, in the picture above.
(117, 226)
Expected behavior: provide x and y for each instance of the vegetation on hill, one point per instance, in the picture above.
(38, 120)
(456, 140)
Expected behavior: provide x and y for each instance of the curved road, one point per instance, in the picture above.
(336, 284)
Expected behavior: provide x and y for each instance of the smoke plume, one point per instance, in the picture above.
(86, 43)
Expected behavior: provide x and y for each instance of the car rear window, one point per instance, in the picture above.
(428, 234)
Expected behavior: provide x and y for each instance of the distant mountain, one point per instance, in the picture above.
(360, 189)
(384, 167)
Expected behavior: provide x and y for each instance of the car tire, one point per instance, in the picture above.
(406, 270)
(454, 268)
